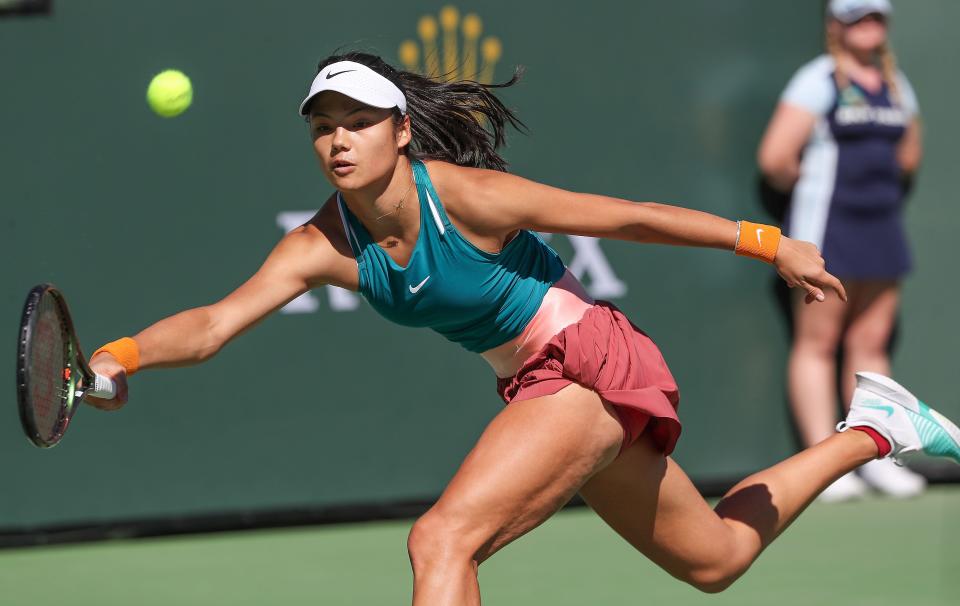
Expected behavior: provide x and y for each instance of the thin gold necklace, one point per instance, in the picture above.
(399, 206)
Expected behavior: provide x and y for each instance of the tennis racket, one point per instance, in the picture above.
(52, 374)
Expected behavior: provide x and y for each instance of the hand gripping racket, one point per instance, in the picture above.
(52, 374)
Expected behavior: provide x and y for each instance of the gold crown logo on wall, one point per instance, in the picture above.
(460, 58)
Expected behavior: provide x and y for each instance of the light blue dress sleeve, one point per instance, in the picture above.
(812, 87)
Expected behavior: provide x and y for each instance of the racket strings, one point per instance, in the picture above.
(49, 379)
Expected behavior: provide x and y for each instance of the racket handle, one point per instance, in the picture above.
(103, 388)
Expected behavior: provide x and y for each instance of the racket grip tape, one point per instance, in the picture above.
(103, 387)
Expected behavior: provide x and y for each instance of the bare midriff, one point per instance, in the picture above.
(564, 304)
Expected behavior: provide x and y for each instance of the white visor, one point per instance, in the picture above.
(849, 11)
(356, 81)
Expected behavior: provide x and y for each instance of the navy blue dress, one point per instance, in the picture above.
(849, 198)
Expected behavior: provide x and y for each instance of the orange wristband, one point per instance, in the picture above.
(126, 352)
(757, 240)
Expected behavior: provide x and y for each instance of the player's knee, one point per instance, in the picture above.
(421, 542)
(433, 539)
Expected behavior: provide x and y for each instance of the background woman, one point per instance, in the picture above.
(428, 227)
(845, 139)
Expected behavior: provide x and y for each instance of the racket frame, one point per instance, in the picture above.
(78, 377)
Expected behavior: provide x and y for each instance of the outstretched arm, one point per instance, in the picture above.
(195, 335)
(495, 202)
(301, 260)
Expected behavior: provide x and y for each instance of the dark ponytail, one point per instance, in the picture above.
(461, 122)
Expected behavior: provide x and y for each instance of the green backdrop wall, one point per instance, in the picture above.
(137, 217)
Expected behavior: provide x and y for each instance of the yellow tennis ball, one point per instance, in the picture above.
(170, 93)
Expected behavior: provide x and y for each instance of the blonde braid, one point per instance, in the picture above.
(888, 64)
(834, 48)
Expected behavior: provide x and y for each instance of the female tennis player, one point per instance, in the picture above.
(844, 139)
(426, 224)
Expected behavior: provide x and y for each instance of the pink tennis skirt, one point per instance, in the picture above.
(605, 352)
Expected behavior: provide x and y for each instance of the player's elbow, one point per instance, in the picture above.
(207, 350)
(213, 336)
(714, 580)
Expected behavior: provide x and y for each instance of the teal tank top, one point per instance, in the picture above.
(472, 297)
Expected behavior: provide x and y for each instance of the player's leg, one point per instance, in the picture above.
(812, 367)
(650, 502)
(529, 461)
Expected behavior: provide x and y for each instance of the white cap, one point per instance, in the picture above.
(848, 11)
(359, 82)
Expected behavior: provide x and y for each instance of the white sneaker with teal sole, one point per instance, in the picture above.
(908, 424)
